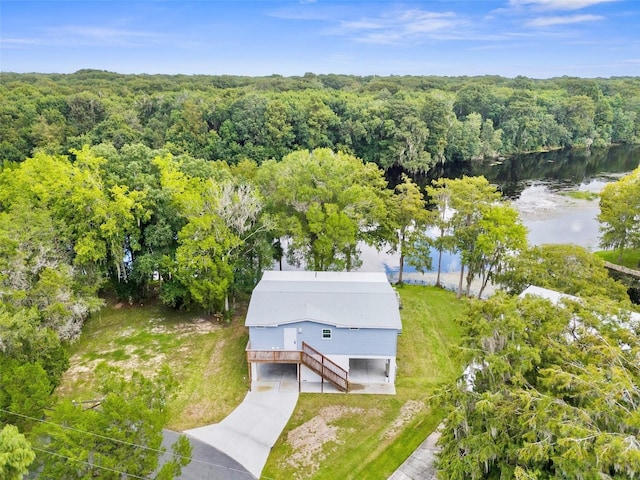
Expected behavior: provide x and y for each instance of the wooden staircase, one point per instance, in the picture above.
(326, 368)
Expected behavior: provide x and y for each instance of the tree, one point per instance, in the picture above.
(121, 436)
(222, 215)
(440, 198)
(411, 218)
(324, 203)
(501, 235)
(569, 269)
(551, 392)
(25, 340)
(15, 454)
(619, 215)
(25, 392)
(470, 199)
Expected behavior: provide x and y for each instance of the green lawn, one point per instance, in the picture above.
(630, 257)
(330, 436)
(206, 356)
(335, 436)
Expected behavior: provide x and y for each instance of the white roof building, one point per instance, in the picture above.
(340, 299)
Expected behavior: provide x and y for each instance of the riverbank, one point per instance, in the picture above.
(448, 280)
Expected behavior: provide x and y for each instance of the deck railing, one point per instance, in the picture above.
(325, 367)
(308, 356)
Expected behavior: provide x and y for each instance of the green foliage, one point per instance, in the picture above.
(552, 392)
(15, 454)
(630, 259)
(471, 221)
(109, 438)
(411, 219)
(25, 392)
(566, 268)
(406, 122)
(26, 342)
(581, 195)
(223, 232)
(324, 203)
(620, 214)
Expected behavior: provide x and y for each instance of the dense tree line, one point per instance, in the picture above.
(406, 122)
(552, 389)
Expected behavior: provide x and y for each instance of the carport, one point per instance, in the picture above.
(366, 375)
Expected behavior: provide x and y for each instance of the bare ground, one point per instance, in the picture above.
(311, 441)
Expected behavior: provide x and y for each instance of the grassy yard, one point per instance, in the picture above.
(630, 258)
(330, 436)
(368, 436)
(206, 356)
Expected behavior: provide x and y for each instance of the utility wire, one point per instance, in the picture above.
(93, 465)
(126, 443)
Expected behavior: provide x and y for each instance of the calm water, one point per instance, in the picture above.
(537, 185)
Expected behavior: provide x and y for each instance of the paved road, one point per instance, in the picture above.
(207, 462)
(250, 431)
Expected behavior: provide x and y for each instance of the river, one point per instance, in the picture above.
(538, 185)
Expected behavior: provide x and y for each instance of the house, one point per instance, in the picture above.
(336, 327)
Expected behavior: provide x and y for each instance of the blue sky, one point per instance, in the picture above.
(535, 38)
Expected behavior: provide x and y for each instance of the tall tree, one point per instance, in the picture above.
(222, 215)
(502, 234)
(471, 198)
(324, 204)
(411, 218)
(551, 392)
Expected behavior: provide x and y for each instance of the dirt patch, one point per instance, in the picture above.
(82, 371)
(198, 326)
(310, 441)
(409, 410)
(136, 363)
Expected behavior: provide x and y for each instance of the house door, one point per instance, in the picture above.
(290, 339)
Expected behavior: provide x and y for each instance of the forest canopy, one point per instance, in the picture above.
(402, 122)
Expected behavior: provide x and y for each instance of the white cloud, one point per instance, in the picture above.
(96, 36)
(562, 20)
(102, 34)
(403, 25)
(557, 4)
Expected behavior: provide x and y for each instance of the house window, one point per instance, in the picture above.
(326, 333)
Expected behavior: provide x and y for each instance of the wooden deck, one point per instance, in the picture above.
(309, 357)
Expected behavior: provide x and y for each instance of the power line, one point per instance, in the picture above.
(93, 465)
(216, 465)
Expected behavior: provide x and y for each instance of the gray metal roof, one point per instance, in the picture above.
(341, 299)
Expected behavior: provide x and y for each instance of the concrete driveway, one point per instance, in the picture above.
(250, 431)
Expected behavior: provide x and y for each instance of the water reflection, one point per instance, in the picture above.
(559, 170)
